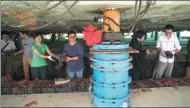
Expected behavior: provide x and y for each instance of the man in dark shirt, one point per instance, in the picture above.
(188, 61)
(139, 67)
(74, 52)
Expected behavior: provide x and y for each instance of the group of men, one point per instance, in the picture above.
(167, 46)
(8, 52)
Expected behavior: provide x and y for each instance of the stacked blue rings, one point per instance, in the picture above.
(110, 77)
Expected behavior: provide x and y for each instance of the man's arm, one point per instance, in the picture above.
(13, 47)
(176, 51)
(158, 47)
(158, 44)
(19, 52)
(177, 46)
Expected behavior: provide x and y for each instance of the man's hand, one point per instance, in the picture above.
(68, 59)
(133, 51)
(64, 54)
(148, 51)
(15, 54)
(175, 52)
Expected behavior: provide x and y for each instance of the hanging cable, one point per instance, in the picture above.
(35, 15)
(141, 15)
(136, 17)
(135, 8)
(138, 14)
(144, 11)
(49, 22)
(58, 17)
(71, 14)
(135, 13)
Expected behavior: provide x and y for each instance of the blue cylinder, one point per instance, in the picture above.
(117, 75)
(100, 102)
(106, 46)
(110, 56)
(111, 91)
(111, 63)
(110, 77)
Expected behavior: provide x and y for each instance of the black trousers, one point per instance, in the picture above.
(39, 72)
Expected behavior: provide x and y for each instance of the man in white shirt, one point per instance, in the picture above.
(7, 49)
(6, 44)
(168, 45)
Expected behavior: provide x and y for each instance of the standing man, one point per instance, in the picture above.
(27, 52)
(139, 66)
(7, 49)
(188, 61)
(74, 52)
(168, 45)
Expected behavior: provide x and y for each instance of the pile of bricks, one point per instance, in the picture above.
(79, 85)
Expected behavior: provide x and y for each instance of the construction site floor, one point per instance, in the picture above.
(142, 97)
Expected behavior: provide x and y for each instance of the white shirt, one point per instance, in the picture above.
(166, 44)
(9, 47)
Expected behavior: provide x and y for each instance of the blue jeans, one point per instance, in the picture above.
(78, 74)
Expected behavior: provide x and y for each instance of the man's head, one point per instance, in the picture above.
(169, 29)
(24, 34)
(139, 35)
(5, 35)
(72, 36)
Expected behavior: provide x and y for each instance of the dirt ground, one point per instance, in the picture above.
(154, 97)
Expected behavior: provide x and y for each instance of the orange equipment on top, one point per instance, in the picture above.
(114, 15)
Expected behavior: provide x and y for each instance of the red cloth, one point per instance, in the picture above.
(92, 35)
